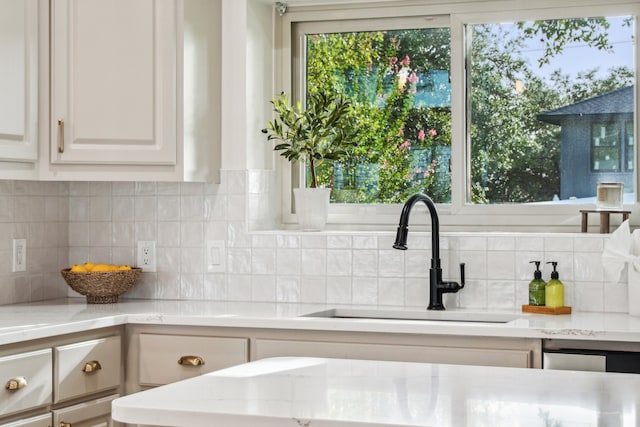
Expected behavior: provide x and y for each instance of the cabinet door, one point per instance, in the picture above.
(39, 421)
(96, 413)
(86, 367)
(19, 82)
(26, 381)
(113, 85)
(169, 358)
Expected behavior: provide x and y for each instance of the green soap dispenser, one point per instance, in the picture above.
(554, 291)
(537, 287)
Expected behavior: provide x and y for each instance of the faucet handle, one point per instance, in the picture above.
(461, 275)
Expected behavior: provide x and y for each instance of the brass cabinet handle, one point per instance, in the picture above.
(91, 366)
(63, 424)
(191, 361)
(60, 136)
(16, 383)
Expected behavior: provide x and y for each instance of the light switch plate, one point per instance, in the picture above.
(216, 257)
(19, 255)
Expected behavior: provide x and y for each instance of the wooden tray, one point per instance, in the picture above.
(541, 309)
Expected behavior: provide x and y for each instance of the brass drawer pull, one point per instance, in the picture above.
(63, 424)
(60, 136)
(91, 367)
(191, 361)
(16, 383)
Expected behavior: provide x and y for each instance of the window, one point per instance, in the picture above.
(504, 113)
(605, 147)
(629, 144)
(399, 83)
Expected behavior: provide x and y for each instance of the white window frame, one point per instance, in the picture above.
(459, 215)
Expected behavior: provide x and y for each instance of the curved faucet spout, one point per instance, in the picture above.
(403, 226)
(436, 286)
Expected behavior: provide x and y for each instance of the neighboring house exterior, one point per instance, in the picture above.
(597, 142)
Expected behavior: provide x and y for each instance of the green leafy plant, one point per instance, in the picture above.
(324, 131)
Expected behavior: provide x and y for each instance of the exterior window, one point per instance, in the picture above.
(534, 104)
(399, 83)
(479, 108)
(605, 147)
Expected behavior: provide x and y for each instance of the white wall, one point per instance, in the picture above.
(74, 222)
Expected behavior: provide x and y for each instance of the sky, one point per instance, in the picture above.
(580, 57)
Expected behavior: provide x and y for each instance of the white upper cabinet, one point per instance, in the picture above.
(113, 82)
(19, 81)
(126, 101)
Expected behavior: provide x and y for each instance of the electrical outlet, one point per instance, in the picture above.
(147, 255)
(19, 255)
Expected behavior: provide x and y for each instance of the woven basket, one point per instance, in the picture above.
(102, 287)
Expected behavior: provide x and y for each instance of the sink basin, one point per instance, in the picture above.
(435, 316)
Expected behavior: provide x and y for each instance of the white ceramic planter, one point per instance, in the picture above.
(312, 207)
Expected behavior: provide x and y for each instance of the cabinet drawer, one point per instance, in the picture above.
(160, 356)
(403, 353)
(86, 367)
(95, 413)
(32, 371)
(39, 421)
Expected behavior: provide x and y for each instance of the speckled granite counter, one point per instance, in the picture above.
(22, 322)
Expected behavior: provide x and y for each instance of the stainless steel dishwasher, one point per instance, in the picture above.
(597, 356)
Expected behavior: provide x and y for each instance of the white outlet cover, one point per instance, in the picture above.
(147, 255)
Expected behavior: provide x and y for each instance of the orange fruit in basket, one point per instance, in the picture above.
(103, 267)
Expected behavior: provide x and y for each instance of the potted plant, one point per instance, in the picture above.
(324, 131)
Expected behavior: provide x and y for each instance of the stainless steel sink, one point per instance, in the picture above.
(434, 316)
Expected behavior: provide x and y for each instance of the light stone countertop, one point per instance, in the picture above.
(23, 322)
(315, 392)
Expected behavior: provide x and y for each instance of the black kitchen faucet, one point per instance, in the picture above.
(437, 287)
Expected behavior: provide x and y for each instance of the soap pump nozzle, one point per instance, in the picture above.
(554, 273)
(536, 274)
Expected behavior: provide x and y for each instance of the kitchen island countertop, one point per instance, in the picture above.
(316, 392)
(23, 322)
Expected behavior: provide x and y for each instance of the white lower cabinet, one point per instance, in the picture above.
(87, 367)
(66, 381)
(95, 413)
(154, 352)
(169, 358)
(38, 421)
(513, 358)
(27, 381)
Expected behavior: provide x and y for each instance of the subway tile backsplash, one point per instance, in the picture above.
(67, 223)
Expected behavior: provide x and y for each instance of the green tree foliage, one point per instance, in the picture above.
(515, 157)
(394, 156)
(558, 33)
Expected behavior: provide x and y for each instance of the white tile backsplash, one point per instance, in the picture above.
(313, 289)
(339, 262)
(72, 222)
(288, 288)
(314, 262)
(263, 261)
